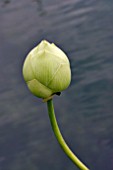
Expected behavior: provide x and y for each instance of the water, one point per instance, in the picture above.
(84, 30)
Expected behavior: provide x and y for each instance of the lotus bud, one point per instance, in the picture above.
(46, 70)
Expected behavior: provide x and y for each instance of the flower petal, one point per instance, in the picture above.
(39, 89)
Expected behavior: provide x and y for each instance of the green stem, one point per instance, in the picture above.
(60, 139)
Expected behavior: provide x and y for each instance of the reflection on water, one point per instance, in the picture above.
(84, 30)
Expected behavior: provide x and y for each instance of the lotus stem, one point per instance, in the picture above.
(60, 138)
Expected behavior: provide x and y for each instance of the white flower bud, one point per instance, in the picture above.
(46, 70)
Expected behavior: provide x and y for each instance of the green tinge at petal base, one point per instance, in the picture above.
(39, 89)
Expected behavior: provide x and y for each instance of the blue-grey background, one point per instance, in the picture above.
(84, 30)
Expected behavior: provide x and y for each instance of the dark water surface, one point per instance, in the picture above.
(84, 30)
